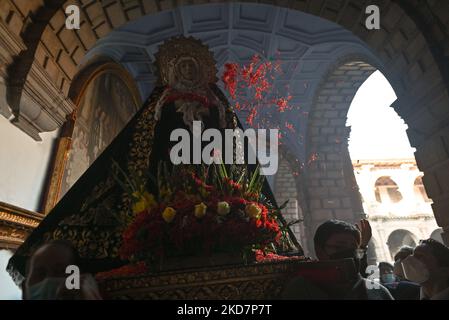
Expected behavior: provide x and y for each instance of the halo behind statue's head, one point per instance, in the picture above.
(172, 52)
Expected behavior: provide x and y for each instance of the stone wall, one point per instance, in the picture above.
(286, 189)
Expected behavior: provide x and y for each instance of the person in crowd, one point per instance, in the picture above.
(399, 288)
(336, 240)
(403, 253)
(46, 275)
(386, 273)
(429, 267)
(365, 236)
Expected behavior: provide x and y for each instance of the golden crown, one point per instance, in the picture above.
(178, 47)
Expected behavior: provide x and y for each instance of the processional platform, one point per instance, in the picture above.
(257, 281)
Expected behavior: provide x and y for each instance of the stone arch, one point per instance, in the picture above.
(411, 46)
(30, 22)
(399, 238)
(97, 20)
(332, 189)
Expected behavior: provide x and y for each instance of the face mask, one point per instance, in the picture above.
(397, 269)
(415, 270)
(388, 278)
(47, 289)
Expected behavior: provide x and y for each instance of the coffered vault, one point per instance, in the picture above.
(306, 46)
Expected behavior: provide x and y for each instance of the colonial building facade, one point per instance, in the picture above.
(396, 204)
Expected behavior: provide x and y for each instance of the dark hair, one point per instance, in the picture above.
(403, 250)
(75, 258)
(439, 251)
(330, 227)
(385, 265)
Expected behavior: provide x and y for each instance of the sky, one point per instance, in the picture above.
(377, 132)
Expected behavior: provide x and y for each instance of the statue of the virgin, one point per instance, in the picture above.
(91, 213)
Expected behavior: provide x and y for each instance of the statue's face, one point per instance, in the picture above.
(188, 70)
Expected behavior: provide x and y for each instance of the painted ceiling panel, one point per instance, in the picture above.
(209, 18)
(254, 17)
(161, 22)
(258, 42)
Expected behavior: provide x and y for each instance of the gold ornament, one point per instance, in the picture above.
(183, 55)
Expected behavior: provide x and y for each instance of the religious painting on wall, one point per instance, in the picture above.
(106, 105)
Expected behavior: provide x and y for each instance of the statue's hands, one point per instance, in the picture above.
(365, 231)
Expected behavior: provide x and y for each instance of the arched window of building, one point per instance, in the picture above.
(419, 189)
(386, 190)
(399, 238)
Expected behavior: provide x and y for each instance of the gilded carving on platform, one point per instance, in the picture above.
(256, 281)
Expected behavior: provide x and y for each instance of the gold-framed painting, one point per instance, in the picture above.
(106, 97)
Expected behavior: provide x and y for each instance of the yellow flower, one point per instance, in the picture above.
(145, 201)
(223, 208)
(139, 206)
(200, 210)
(149, 198)
(168, 214)
(253, 210)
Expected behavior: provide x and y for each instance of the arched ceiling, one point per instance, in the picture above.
(307, 47)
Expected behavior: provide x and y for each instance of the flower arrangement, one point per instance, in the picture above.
(199, 211)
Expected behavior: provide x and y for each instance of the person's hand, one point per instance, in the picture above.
(365, 231)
